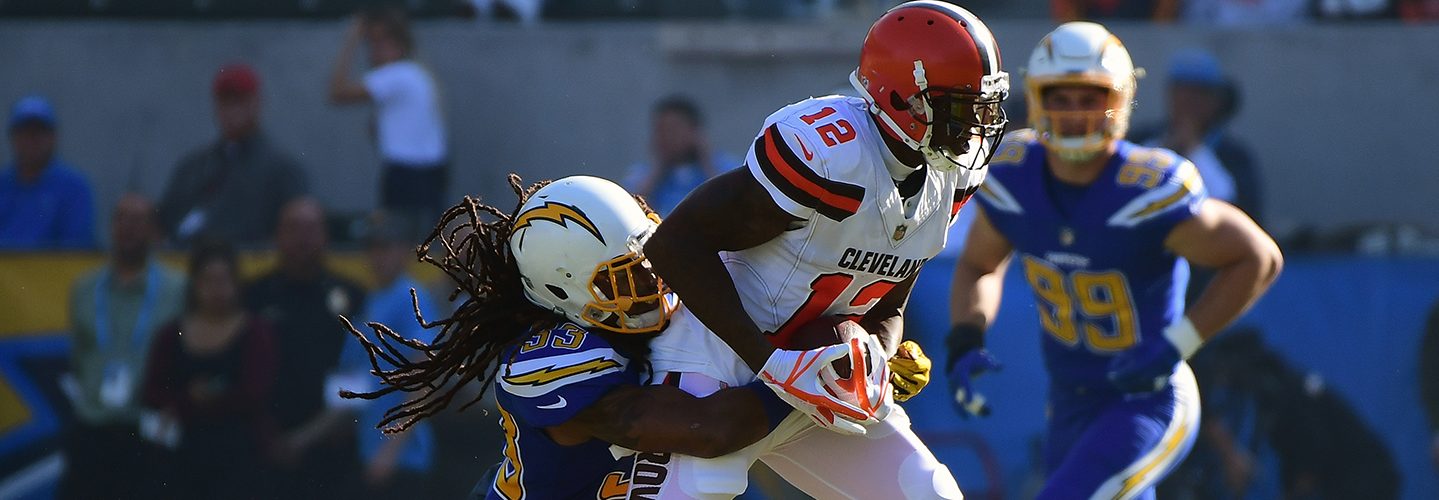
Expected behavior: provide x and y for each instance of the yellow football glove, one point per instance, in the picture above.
(909, 371)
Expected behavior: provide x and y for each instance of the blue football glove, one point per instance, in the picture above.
(968, 359)
(1143, 368)
(1146, 368)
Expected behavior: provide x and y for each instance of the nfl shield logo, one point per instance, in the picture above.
(899, 231)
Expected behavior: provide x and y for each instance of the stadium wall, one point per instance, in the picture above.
(1337, 114)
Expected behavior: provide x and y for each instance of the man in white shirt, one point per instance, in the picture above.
(409, 129)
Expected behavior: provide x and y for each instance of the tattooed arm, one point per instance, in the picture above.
(666, 419)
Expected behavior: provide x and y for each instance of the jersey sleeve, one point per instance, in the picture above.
(1176, 198)
(792, 171)
(386, 83)
(551, 383)
(1010, 155)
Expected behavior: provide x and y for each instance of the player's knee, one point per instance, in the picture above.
(923, 477)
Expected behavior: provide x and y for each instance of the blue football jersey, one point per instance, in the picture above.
(546, 381)
(1094, 255)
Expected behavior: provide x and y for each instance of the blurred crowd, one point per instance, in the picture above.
(1218, 12)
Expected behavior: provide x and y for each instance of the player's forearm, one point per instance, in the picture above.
(699, 277)
(1429, 370)
(889, 329)
(974, 295)
(1233, 290)
(666, 419)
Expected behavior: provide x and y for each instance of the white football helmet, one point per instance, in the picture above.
(1081, 53)
(578, 244)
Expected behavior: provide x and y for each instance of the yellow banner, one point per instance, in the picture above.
(35, 287)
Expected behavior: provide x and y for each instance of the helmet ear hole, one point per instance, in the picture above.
(897, 102)
(557, 292)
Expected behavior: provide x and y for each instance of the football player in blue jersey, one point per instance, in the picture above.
(1104, 231)
(560, 307)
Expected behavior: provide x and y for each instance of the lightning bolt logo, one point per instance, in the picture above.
(549, 374)
(558, 213)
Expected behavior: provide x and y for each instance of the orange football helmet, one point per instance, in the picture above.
(931, 73)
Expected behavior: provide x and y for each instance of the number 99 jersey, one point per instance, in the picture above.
(824, 161)
(1094, 255)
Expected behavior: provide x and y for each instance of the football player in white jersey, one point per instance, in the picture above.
(841, 203)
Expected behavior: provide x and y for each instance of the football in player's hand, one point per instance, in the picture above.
(825, 331)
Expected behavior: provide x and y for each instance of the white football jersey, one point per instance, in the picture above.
(824, 161)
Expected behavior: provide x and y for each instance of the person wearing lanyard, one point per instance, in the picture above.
(113, 313)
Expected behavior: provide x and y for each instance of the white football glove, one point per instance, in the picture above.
(807, 381)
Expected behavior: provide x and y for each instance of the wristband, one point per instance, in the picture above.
(1184, 336)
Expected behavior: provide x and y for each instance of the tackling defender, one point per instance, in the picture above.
(560, 308)
(841, 203)
(1104, 231)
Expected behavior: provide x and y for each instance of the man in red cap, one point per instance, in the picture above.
(233, 188)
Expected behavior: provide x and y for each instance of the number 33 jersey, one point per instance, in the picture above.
(823, 161)
(1094, 255)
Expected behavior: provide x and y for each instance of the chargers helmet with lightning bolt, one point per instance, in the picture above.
(578, 243)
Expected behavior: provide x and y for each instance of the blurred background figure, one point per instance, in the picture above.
(113, 313)
(408, 126)
(44, 202)
(680, 156)
(1231, 13)
(1272, 430)
(302, 298)
(209, 380)
(1201, 101)
(1429, 379)
(1109, 10)
(234, 187)
(398, 465)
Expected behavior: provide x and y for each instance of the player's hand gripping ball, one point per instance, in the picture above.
(834, 371)
(910, 370)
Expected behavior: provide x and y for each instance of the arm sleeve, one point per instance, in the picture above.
(1429, 369)
(1176, 199)
(159, 385)
(385, 84)
(793, 174)
(78, 226)
(172, 202)
(548, 391)
(1248, 187)
(257, 373)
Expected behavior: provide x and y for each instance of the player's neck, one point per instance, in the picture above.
(908, 156)
(1078, 173)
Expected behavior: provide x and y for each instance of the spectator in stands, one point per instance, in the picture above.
(397, 464)
(1201, 102)
(1255, 404)
(211, 388)
(1419, 11)
(1245, 12)
(302, 299)
(233, 188)
(1429, 378)
(680, 156)
(408, 125)
(44, 202)
(113, 313)
(1107, 10)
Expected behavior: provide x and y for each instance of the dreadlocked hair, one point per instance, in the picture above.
(494, 316)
